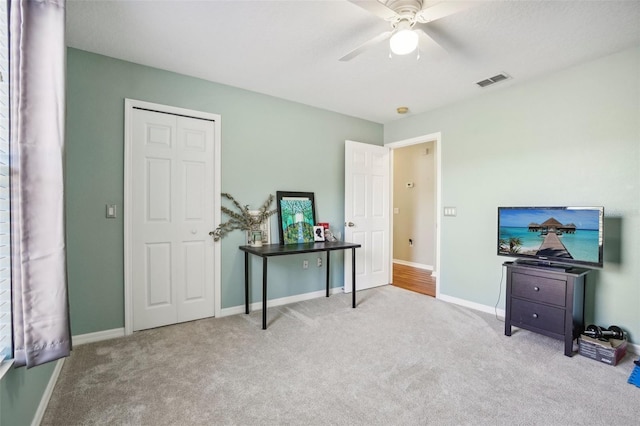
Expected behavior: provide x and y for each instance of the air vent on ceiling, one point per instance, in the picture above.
(492, 80)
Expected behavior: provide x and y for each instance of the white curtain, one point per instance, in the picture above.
(37, 79)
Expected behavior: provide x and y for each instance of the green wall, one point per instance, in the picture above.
(21, 391)
(571, 138)
(268, 144)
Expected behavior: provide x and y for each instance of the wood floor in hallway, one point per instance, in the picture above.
(414, 279)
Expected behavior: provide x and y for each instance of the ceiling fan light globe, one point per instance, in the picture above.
(403, 42)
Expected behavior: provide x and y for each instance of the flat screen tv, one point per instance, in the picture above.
(549, 236)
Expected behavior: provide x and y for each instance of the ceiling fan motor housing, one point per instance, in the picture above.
(402, 6)
(405, 9)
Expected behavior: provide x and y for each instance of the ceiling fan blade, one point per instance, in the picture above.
(377, 39)
(443, 9)
(376, 8)
(428, 43)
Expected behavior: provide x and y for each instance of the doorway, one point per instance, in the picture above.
(415, 193)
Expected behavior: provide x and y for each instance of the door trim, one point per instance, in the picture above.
(436, 139)
(129, 105)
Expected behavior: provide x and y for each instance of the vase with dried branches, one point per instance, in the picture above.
(244, 219)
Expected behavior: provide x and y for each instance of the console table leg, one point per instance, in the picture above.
(246, 282)
(328, 257)
(353, 277)
(264, 293)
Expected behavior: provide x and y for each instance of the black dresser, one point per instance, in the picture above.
(546, 300)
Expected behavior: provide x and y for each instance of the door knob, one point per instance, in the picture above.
(350, 224)
(193, 231)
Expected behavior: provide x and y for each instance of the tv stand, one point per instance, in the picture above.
(545, 300)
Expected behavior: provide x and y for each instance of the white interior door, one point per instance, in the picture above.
(366, 204)
(172, 184)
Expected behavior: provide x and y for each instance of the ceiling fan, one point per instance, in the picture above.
(408, 19)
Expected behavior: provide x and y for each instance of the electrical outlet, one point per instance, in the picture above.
(319, 262)
(305, 264)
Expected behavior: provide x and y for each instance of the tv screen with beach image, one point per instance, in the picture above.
(561, 234)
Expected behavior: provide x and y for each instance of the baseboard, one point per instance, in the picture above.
(48, 391)
(413, 264)
(98, 336)
(256, 306)
(631, 347)
(472, 305)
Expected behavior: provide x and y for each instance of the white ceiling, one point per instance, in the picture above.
(290, 49)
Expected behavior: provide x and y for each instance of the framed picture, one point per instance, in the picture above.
(318, 233)
(296, 217)
(265, 228)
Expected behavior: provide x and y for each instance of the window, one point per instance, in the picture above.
(6, 349)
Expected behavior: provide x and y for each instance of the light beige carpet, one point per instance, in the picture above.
(400, 358)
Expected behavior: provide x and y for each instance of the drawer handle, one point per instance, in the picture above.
(536, 289)
(535, 315)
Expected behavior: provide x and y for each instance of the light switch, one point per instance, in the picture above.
(111, 211)
(396, 210)
(450, 211)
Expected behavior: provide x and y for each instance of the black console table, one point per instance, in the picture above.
(546, 300)
(270, 250)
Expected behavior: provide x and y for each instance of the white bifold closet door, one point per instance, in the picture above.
(172, 214)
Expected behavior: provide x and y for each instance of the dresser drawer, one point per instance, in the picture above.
(539, 316)
(539, 289)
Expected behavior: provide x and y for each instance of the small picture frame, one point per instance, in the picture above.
(265, 227)
(318, 233)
